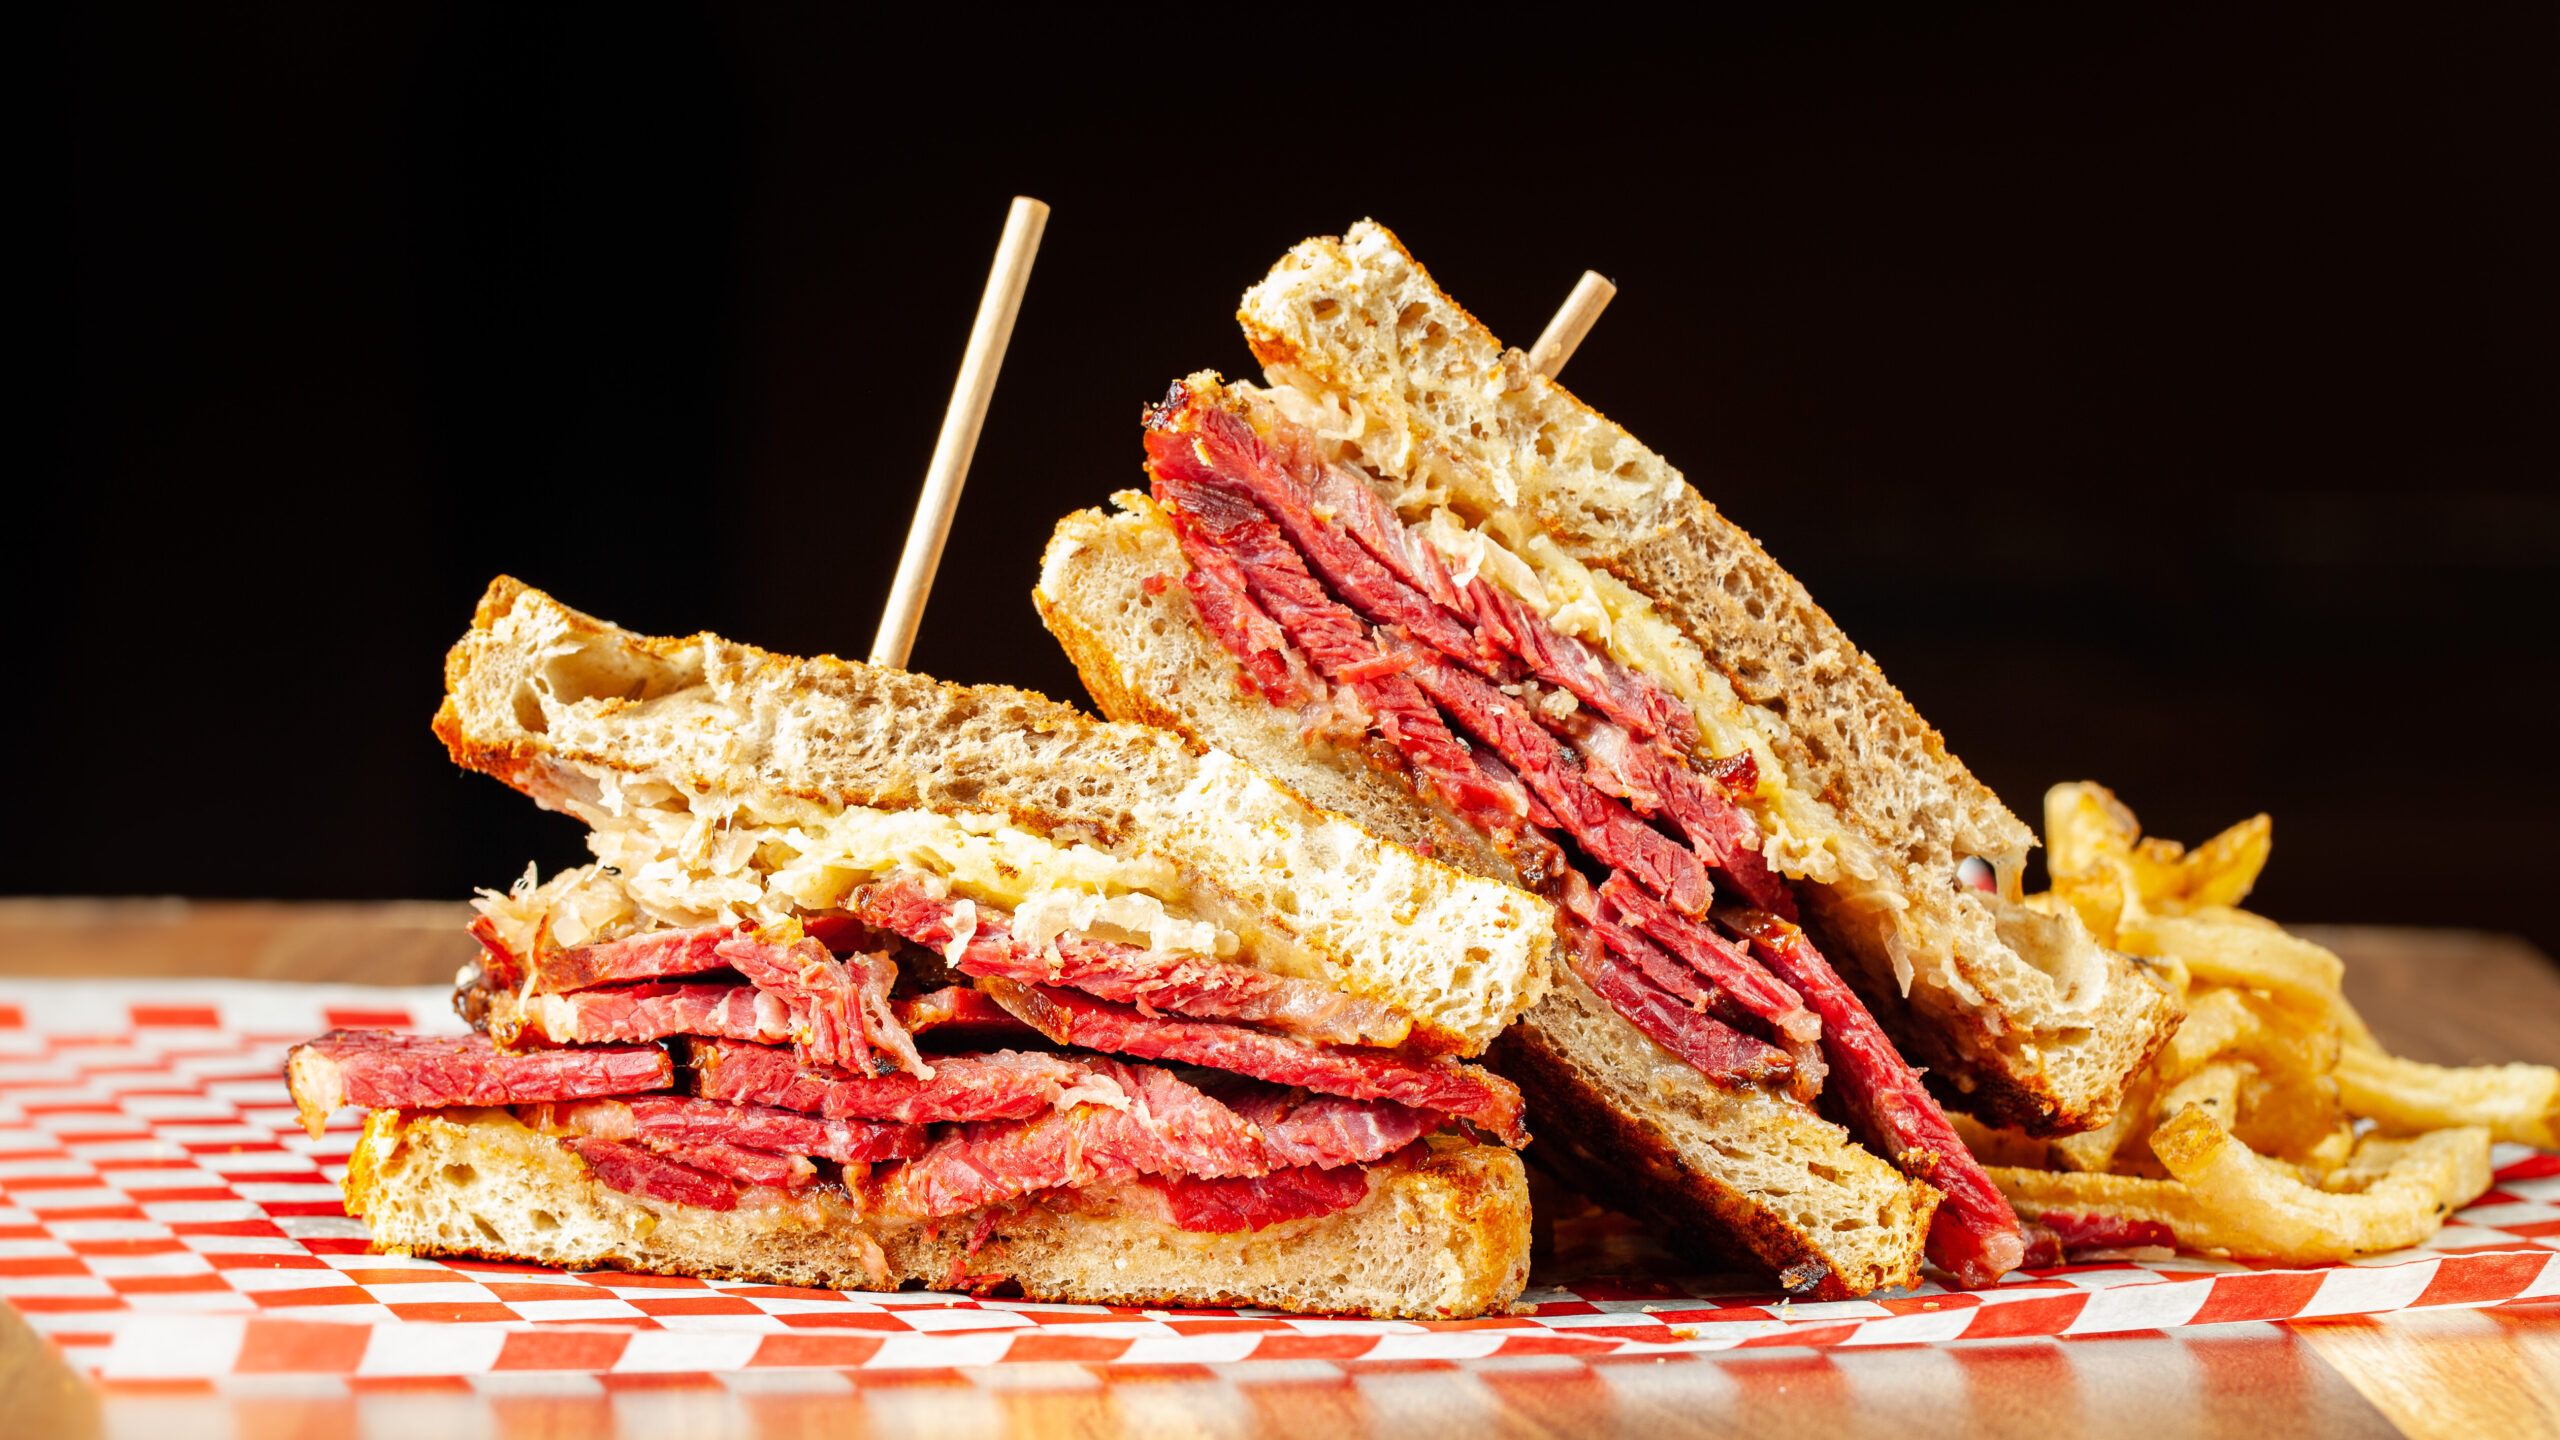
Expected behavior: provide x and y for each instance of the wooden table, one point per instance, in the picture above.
(2454, 997)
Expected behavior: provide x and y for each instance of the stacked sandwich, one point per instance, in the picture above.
(876, 980)
(1421, 584)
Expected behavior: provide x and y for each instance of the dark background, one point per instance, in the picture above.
(2161, 399)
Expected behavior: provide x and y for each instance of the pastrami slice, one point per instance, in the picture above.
(657, 955)
(1225, 1207)
(1001, 1084)
(651, 1010)
(382, 1070)
(839, 1008)
(638, 1170)
(1188, 985)
(1463, 1092)
(1974, 1236)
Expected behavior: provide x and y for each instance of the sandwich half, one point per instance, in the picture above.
(1426, 586)
(876, 981)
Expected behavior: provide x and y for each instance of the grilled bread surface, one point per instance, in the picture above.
(1445, 1237)
(1739, 1174)
(550, 701)
(2024, 1028)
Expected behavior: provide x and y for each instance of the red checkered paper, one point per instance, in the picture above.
(163, 1216)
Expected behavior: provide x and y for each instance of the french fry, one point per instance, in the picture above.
(1997, 1146)
(2352, 1030)
(2033, 1193)
(2224, 869)
(2085, 824)
(2331, 1153)
(2096, 1150)
(2298, 973)
(2405, 1097)
(2261, 1212)
(2291, 1117)
(2099, 896)
(2216, 1021)
(2214, 1089)
(2238, 1136)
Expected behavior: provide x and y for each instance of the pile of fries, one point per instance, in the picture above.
(2271, 1125)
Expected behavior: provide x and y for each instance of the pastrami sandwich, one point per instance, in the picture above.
(876, 980)
(1423, 585)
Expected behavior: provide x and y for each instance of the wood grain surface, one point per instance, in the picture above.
(2453, 997)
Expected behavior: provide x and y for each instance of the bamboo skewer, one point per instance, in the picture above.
(970, 393)
(1573, 320)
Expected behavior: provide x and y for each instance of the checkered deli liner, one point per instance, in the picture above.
(162, 1216)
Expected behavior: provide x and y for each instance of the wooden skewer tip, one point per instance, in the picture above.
(967, 414)
(1573, 320)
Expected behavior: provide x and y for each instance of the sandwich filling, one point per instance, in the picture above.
(922, 1055)
(1415, 644)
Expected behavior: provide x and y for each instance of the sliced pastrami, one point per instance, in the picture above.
(623, 1014)
(999, 1085)
(1717, 959)
(1163, 1126)
(637, 1170)
(1210, 521)
(1149, 979)
(1666, 1000)
(1608, 830)
(1335, 1130)
(1225, 1207)
(2069, 1231)
(961, 1016)
(1712, 1048)
(737, 1162)
(850, 1142)
(1616, 763)
(839, 1008)
(654, 956)
(381, 1070)
(1069, 1018)
(677, 1119)
(1628, 697)
(1355, 506)
(1975, 1233)
(1213, 446)
(1225, 605)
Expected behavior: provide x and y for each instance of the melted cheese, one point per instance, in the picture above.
(678, 863)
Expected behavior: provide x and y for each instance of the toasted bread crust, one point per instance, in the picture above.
(1446, 1237)
(1358, 324)
(546, 699)
(1628, 1163)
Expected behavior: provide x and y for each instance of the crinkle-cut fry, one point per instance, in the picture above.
(2405, 1097)
(2260, 1212)
(2218, 951)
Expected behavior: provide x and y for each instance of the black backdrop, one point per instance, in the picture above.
(2167, 401)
